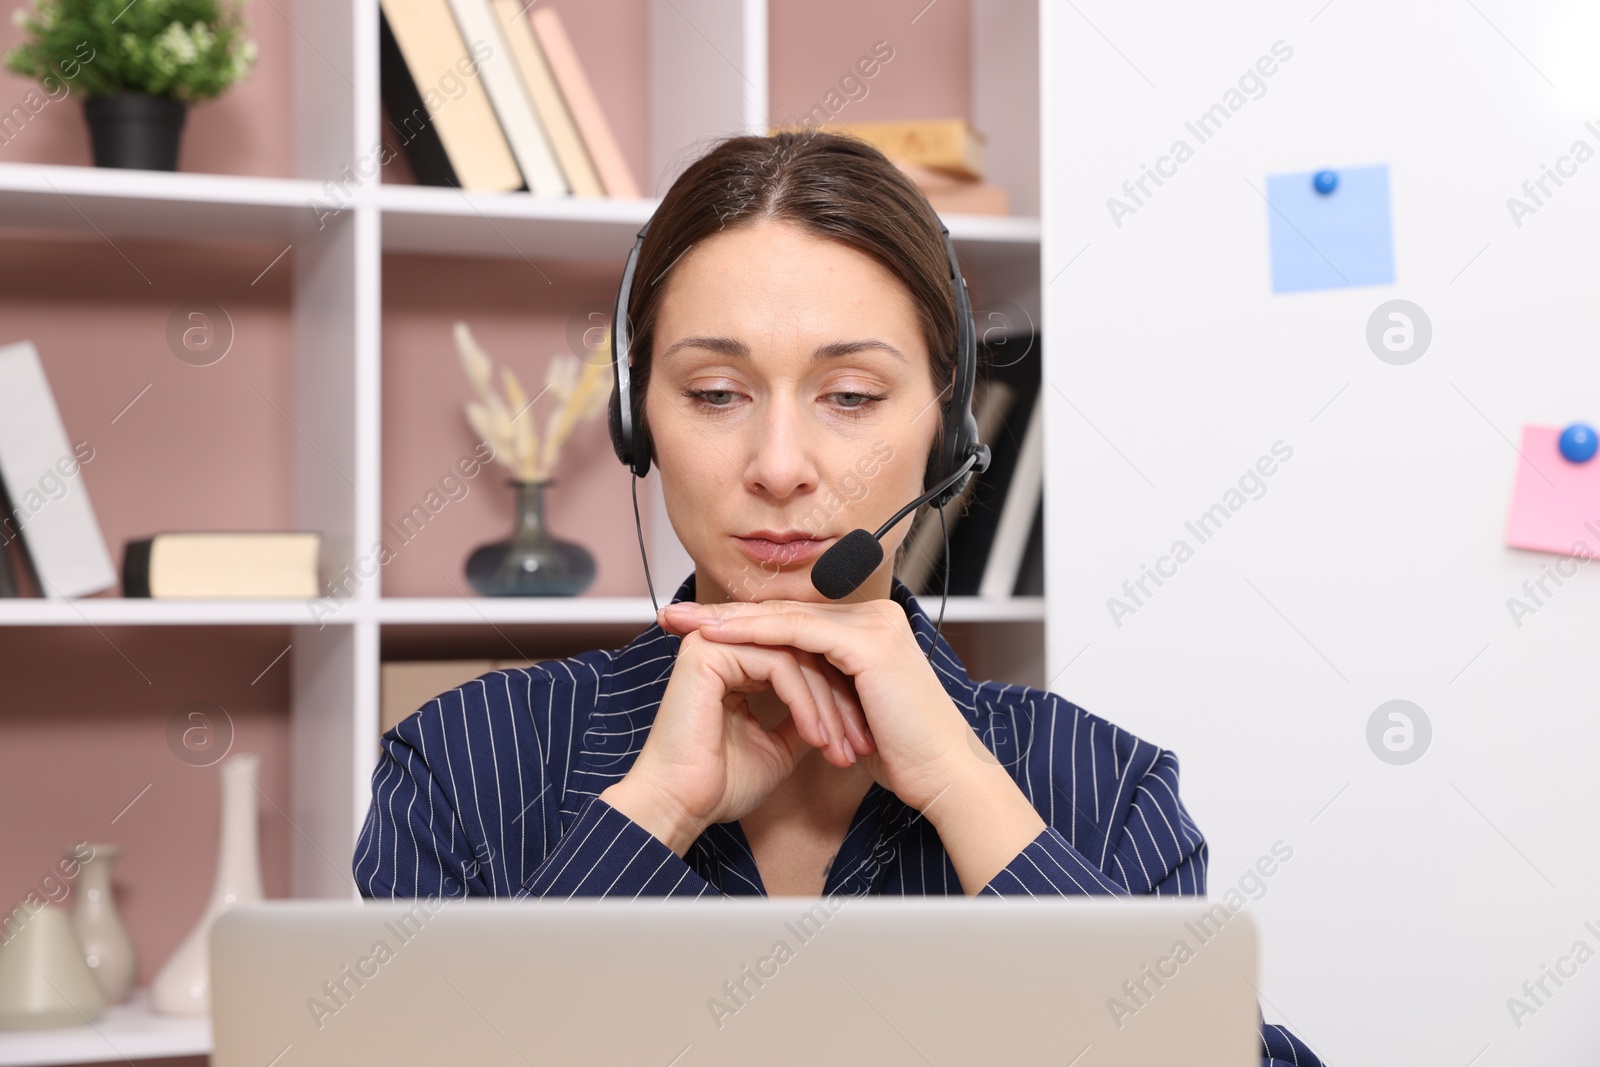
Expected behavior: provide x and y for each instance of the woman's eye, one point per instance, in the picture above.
(706, 396)
(722, 399)
(863, 401)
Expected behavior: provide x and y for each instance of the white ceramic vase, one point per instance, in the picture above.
(106, 946)
(183, 986)
(44, 981)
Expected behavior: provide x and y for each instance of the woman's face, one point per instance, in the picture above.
(790, 392)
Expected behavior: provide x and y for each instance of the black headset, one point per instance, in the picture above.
(852, 559)
(961, 427)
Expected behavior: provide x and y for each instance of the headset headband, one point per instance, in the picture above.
(960, 439)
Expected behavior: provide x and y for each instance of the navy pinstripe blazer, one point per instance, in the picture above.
(492, 789)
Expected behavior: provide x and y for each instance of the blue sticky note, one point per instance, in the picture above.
(1329, 240)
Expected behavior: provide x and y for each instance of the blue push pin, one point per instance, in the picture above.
(1325, 182)
(1578, 443)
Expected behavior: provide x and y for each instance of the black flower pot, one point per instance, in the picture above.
(135, 130)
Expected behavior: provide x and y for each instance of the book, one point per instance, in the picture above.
(1016, 514)
(49, 504)
(951, 146)
(540, 83)
(11, 557)
(497, 68)
(972, 543)
(1030, 576)
(957, 196)
(438, 108)
(204, 565)
(609, 163)
(991, 401)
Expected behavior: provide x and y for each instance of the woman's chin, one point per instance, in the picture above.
(751, 584)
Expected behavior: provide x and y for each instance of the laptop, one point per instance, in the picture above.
(1070, 982)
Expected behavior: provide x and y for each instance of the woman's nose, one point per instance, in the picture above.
(782, 449)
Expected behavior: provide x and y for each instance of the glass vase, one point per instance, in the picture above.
(531, 562)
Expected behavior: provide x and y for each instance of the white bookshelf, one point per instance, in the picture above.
(401, 611)
(338, 366)
(128, 1031)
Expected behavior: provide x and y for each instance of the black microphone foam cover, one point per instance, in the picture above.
(840, 571)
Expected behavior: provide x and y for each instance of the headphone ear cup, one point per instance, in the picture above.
(642, 446)
(614, 420)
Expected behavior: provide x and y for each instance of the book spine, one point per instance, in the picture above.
(408, 115)
(579, 95)
(136, 568)
(520, 126)
(554, 115)
(1016, 514)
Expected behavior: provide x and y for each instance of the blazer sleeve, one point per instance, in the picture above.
(1130, 834)
(467, 800)
(1143, 840)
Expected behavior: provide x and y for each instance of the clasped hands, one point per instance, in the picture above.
(877, 698)
(858, 687)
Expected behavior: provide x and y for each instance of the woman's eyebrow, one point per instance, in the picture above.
(734, 348)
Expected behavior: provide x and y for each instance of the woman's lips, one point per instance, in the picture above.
(798, 551)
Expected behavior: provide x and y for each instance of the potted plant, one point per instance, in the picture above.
(139, 66)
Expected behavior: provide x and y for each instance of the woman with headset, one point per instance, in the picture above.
(793, 350)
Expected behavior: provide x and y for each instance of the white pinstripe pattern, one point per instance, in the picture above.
(564, 730)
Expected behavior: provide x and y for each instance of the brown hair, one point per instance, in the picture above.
(829, 184)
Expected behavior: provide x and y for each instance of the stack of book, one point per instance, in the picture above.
(996, 524)
(942, 157)
(51, 544)
(489, 96)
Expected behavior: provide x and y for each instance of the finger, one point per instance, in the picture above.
(778, 668)
(831, 630)
(813, 667)
(818, 715)
(840, 701)
(838, 636)
(675, 622)
(772, 624)
(854, 715)
(787, 734)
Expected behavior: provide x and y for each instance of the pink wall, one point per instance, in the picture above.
(519, 316)
(203, 447)
(812, 45)
(80, 732)
(83, 729)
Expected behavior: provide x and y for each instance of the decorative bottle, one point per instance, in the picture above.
(183, 986)
(107, 948)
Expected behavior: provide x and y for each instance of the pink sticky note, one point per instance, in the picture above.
(1555, 503)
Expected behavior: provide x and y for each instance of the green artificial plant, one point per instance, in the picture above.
(187, 50)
